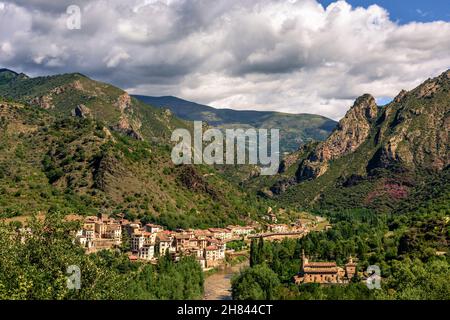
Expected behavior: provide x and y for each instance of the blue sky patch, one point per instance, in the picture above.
(407, 11)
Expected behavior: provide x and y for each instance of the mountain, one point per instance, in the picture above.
(376, 156)
(76, 145)
(295, 129)
(7, 75)
(76, 94)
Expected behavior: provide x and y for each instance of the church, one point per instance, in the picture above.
(325, 272)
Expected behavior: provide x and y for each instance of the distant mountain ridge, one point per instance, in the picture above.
(295, 129)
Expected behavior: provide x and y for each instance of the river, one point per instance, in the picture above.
(218, 285)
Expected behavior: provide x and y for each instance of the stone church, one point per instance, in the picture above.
(325, 272)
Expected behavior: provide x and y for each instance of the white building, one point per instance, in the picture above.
(137, 241)
(241, 231)
(153, 228)
(147, 252)
(222, 234)
(141, 238)
(163, 243)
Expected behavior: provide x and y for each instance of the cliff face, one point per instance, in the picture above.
(413, 131)
(377, 151)
(350, 133)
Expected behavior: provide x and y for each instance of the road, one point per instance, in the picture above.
(218, 285)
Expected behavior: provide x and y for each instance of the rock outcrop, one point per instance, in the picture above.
(125, 127)
(409, 137)
(350, 133)
(415, 129)
(191, 179)
(81, 111)
(124, 102)
(128, 124)
(44, 102)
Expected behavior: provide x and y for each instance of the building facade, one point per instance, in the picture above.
(324, 272)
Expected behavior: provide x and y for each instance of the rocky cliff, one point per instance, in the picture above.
(376, 151)
(350, 133)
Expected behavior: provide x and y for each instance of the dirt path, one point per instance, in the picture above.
(218, 285)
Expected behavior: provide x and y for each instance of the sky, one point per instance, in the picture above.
(404, 11)
(296, 56)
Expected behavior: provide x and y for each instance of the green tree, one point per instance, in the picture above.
(257, 283)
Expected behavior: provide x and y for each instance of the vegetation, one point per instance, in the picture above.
(387, 200)
(295, 129)
(77, 165)
(236, 245)
(406, 247)
(34, 264)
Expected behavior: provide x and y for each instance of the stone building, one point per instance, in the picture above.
(324, 272)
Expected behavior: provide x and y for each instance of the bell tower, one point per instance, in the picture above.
(304, 259)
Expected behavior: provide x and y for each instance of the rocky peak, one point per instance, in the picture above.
(350, 133)
(432, 86)
(364, 108)
(400, 96)
(415, 131)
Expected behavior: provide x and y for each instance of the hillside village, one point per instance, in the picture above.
(147, 242)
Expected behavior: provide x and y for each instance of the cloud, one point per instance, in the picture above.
(291, 56)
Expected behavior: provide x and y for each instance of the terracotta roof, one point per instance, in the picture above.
(163, 237)
(141, 233)
(240, 227)
(217, 230)
(182, 236)
(211, 248)
(153, 225)
(320, 270)
(320, 264)
(202, 232)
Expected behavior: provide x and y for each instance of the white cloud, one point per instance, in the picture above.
(116, 57)
(291, 56)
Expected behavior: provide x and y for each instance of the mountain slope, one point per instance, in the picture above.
(295, 129)
(376, 156)
(76, 94)
(64, 146)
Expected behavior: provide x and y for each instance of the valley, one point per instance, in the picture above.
(295, 129)
(373, 187)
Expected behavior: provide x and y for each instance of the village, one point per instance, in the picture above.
(148, 242)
